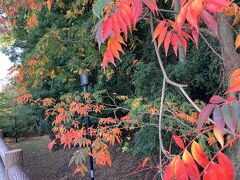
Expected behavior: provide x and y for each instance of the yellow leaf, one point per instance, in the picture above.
(136, 103)
(218, 135)
(237, 42)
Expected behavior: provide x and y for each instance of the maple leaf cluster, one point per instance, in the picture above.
(187, 168)
(70, 132)
(123, 15)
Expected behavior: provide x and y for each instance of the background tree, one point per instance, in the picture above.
(54, 53)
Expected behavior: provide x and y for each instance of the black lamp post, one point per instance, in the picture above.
(85, 84)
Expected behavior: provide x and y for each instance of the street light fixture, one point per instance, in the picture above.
(85, 84)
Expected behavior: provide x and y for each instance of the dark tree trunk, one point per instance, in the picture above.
(231, 61)
(181, 54)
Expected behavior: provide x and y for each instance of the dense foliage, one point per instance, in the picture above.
(51, 46)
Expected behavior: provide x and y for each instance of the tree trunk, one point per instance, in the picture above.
(231, 61)
(181, 54)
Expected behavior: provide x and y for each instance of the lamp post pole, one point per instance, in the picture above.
(85, 84)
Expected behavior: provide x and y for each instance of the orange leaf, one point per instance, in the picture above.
(226, 165)
(126, 18)
(190, 165)
(183, 42)
(180, 171)
(49, 4)
(199, 155)
(168, 175)
(167, 42)
(122, 24)
(237, 42)
(195, 36)
(181, 17)
(151, 4)
(51, 144)
(158, 29)
(175, 43)
(218, 135)
(32, 20)
(175, 170)
(145, 161)
(116, 27)
(137, 7)
(235, 75)
(162, 36)
(214, 172)
(211, 140)
(179, 141)
(233, 89)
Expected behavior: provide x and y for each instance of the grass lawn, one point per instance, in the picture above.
(41, 164)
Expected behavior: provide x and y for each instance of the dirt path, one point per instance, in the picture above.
(41, 164)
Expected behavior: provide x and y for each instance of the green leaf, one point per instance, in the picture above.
(99, 7)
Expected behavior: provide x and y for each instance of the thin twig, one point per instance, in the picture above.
(180, 86)
(210, 46)
(161, 149)
(160, 60)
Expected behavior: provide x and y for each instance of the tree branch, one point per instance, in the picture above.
(161, 149)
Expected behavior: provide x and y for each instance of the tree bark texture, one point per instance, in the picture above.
(181, 53)
(231, 61)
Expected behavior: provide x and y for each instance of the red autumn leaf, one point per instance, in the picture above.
(183, 42)
(106, 28)
(126, 18)
(204, 114)
(195, 36)
(51, 144)
(175, 170)
(159, 29)
(168, 174)
(107, 57)
(162, 36)
(190, 165)
(210, 22)
(182, 2)
(122, 24)
(230, 99)
(136, 10)
(216, 100)
(214, 172)
(186, 35)
(151, 4)
(194, 10)
(226, 165)
(218, 118)
(216, 6)
(199, 155)
(175, 43)
(180, 171)
(167, 41)
(181, 17)
(116, 27)
(179, 141)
